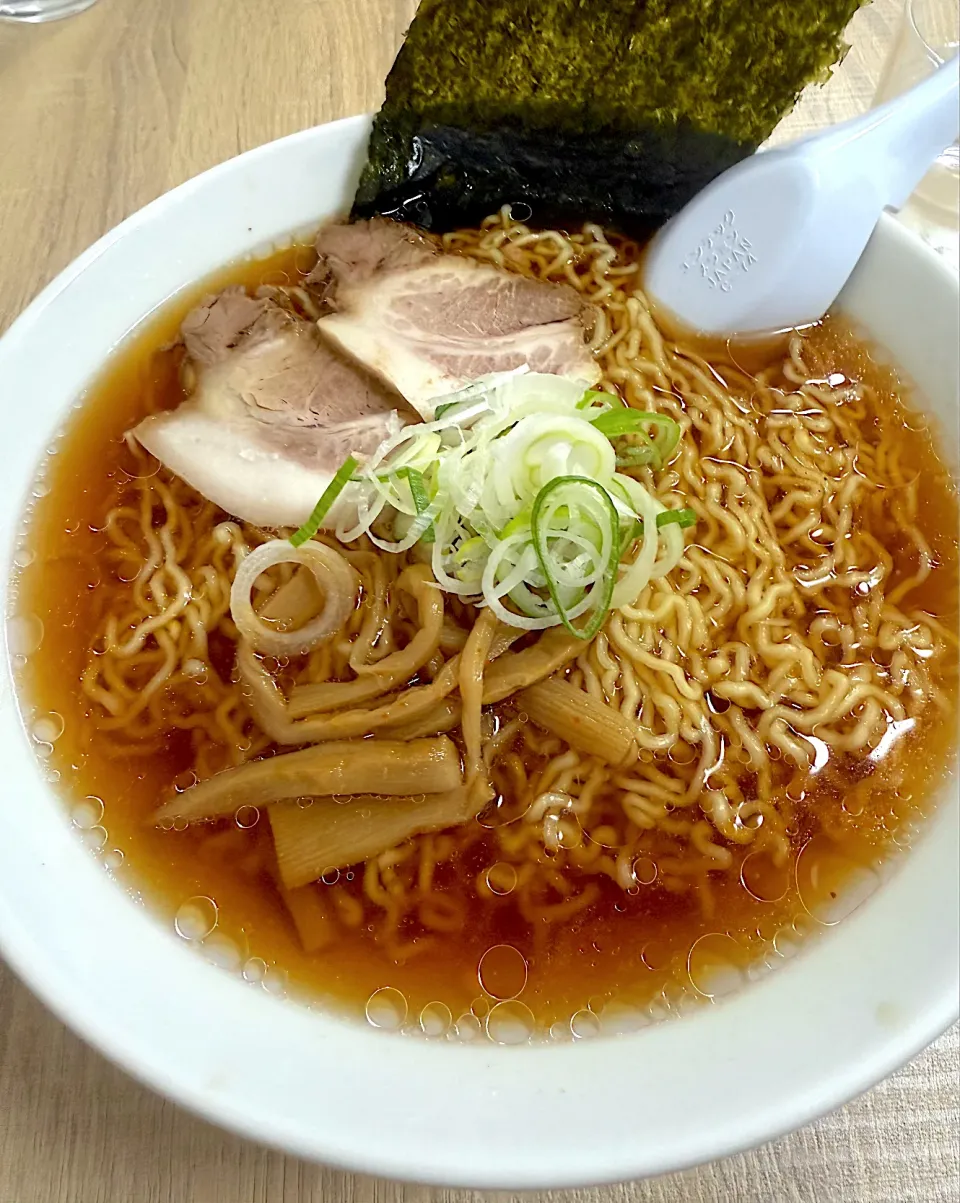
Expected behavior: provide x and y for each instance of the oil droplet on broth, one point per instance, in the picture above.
(467, 1028)
(112, 859)
(24, 634)
(714, 965)
(387, 1009)
(196, 918)
(584, 1025)
(644, 871)
(94, 837)
(655, 954)
(620, 1019)
(501, 878)
(47, 728)
(831, 884)
(275, 982)
(763, 878)
(221, 951)
(435, 1019)
(255, 969)
(510, 1022)
(502, 971)
(88, 813)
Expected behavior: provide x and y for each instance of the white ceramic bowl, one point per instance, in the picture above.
(850, 1008)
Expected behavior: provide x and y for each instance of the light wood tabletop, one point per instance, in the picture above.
(98, 115)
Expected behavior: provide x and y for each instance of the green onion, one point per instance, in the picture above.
(659, 433)
(418, 491)
(442, 409)
(682, 518)
(594, 394)
(539, 539)
(327, 498)
(638, 457)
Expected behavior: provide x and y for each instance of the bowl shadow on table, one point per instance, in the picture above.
(76, 1129)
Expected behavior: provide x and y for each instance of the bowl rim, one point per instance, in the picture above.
(43, 975)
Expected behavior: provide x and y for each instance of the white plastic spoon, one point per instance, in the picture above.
(769, 244)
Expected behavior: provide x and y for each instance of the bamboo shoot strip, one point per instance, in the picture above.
(583, 721)
(332, 835)
(395, 669)
(315, 926)
(420, 766)
(555, 648)
(503, 677)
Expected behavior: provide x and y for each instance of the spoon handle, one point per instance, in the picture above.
(895, 144)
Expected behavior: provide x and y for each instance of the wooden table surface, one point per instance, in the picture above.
(98, 115)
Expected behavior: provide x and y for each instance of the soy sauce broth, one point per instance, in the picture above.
(647, 948)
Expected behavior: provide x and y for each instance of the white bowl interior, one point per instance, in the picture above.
(852, 1006)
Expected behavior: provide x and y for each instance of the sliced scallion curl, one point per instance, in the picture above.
(335, 579)
(329, 495)
(658, 435)
(468, 480)
(683, 518)
(604, 579)
(421, 500)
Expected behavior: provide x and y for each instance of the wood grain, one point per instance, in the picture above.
(98, 115)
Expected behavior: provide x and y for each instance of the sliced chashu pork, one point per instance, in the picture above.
(428, 322)
(276, 410)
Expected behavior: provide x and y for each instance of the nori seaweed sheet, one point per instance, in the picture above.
(616, 110)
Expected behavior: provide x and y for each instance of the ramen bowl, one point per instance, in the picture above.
(854, 1002)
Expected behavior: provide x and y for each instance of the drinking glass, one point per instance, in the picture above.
(929, 34)
(35, 11)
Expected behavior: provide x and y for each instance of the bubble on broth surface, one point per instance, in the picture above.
(94, 837)
(87, 813)
(510, 1022)
(113, 859)
(655, 954)
(247, 816)
(761, 877)
(24, 557)
(47, 728)
(255, 969)
(387, 1009)
(221, 951)
(620, 1019)
(480, 1006)
(502, 971)
(713, 964)
(196, 918)
(435, 1019)
(275, 982)
(501, 878)
(786, 942)
(831, 885)
(584, 1025)
(644, 871)
(24, 634)
(467, 1028)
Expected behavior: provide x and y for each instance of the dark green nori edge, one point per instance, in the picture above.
(616, 110)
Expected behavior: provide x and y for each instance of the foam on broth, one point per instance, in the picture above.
(629, 957)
